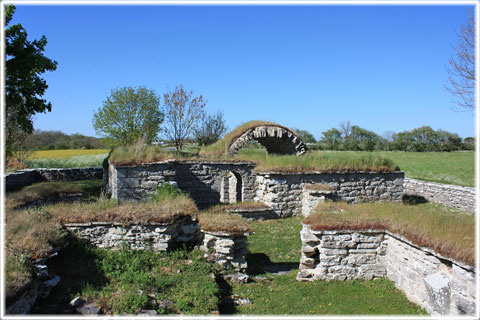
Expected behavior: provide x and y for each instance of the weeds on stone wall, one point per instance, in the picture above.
(446, 231)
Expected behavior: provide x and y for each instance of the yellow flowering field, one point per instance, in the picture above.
(67, 153)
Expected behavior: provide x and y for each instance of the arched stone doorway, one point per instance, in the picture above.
(275, 138)
(231, 189)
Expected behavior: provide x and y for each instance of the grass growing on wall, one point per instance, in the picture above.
(447, 231)
(90, 189)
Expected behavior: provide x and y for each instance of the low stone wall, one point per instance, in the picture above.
(39, 287)
(440, 285)
(22, 178)
(206, 182)
(155, 236)
(462, 198)
(298, 193)
(61, 197)
(228, 250)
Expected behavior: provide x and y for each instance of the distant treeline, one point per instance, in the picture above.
(354, 138)
(50, 140)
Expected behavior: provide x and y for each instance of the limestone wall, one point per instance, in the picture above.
(342, 255)
(438, 284)
(205, 182)
(228, 250)
(298, 193)
(22, 178)
(156, 236)
(462, 198)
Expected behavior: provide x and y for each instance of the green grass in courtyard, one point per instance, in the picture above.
(126, 281)
(284, 295)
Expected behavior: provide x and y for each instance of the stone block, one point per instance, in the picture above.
(438, 290)
(338, 244)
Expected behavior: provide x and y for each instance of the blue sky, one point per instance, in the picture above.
(310, 67)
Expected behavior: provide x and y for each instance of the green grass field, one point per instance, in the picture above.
(456, 168)
(445, 167)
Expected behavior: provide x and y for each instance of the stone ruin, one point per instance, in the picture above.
(276, 139)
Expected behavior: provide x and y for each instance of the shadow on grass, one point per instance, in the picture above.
(260, 263)
(226, 305)
(77, 267)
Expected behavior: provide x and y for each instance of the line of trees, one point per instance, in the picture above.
(354, 138)
(131, 115)
(50, 140)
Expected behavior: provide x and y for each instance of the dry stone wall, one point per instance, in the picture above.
(462, 198)
(342, 255)
(298, 193)
(203, 181)
(155, 236)
(22, 178)
(440, 285)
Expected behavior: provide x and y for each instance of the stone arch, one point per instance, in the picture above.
(276, 139)
(231, 188)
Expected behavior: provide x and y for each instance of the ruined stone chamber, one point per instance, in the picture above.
(206, 182)
(286, 194)
(294, 194)
(438, 284)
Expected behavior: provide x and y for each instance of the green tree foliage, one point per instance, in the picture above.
(427, 139)
(305, 136)
(332, 139)
(468, 143)
(364, 140)
(419, 140)
(183, 112)
(49, 140)
(211, 128)
(24, 87)
(128, 115)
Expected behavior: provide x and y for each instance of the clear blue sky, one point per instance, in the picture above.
(310, 67)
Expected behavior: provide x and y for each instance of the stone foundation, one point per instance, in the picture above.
(206, 182)
(155, 236)
(440, 285)
(299, 193)
(22, 178)
(228, 250)
(287, 194)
